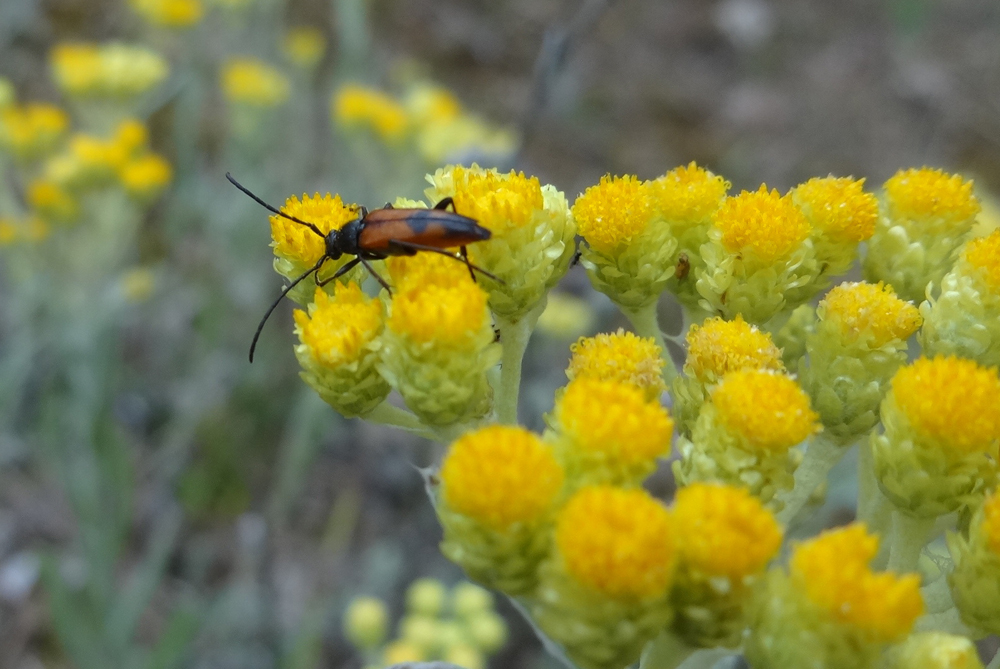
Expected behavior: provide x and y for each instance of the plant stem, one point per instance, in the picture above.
(947, 621)
(868, 491)
(387, 414)
(908, 537)
(823, 453)
(645, 323)
(666, 651)
(514, 336)
(995, 662)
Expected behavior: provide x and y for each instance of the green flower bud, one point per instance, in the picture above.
(468, 599)
(927, 215)
(965, 318)
(856, 346)
(366, 623)
(422, 631)
(975, 582)
(487, 630)
(425, 596)
(933, 650)
(339, 352)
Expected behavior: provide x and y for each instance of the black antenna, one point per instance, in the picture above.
(259, 201)
(274, 305)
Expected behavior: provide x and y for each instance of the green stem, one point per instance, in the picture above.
(666, 651)
(823, 453)
(947, 621)
(868, 492)
(645, 323)
(995, 662)
(908, 537)
(387, 414)
(514, 336)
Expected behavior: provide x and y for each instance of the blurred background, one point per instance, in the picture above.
(163, 503)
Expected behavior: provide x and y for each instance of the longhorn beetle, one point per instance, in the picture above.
(375, 235)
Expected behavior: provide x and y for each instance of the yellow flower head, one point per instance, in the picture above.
(951, 401)
(618, 542)
(984, 254)
(928, 193)
(31, 130)
(51, 200)
(8, 232)
(254, 83)
(991, 522)
(304, 46)
(169, 13)
(425, 269)
(769, 410)
(838, 207)
(614, 418)
(76, 67)
(719, 346)
(498, 201)
(444, 314)
(688, 195)
(724, 530)
(337, 329)
(146, 177)
(95, 158)
(429, 103)
(621, 357)
(868, 307)
(297, 242)
(832, 570)
(762, 222)
(354, 105)
(500, 475)
(610, 214)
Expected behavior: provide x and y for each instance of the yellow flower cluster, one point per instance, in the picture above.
(763, 223)
(621, 357)
(32, 130)
(613, 212)
(839, 207)
(984, 255)
(169, 13)
(338, 330)
(111, 70)
(429, 116)
(871, 308)
(717, 347)
(769, 410)
(254, 83)
(931, 195)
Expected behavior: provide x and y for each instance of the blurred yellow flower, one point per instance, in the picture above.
(253, 82)
(354, 105)
(169, 13)
(304, 46)
(111, 70)
(31, 130)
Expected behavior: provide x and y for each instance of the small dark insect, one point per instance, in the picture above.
(576, 258)
(683, 267)
(382, 233)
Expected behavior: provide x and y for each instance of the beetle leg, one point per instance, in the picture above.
(464, 252)
(445, 203)
(378, 277)
(388, 205)
(397, 243)
(340, 272)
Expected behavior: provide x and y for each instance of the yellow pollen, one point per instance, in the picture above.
(724, 530)
(991, 522)
(621, 357)
(498, 201)
(928, 193)
(952, 401)
(297, 242)
(31, 130)
(337, 329)
(868, 307)
(499, 476)
(719, 346)
(618, 542)
(769, 410)
(610, 214)
(614, 418)
(147, 176)
(839, 207)
(442, 314)
(832, 570)
(984, 254)
(763, 222)
(688, 195)
(253, 82)
(354, 105)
